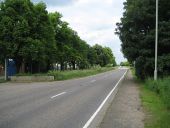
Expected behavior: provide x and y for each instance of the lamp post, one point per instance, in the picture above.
(156, 43)
(6, 69)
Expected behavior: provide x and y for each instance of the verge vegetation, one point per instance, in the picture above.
(2, 81)
(58, 75)
(155, 99)
(136, 31)
(71, 74)
(156, 105)
(38, 41)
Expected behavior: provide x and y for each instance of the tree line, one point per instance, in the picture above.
(36, 40)
(137, 33)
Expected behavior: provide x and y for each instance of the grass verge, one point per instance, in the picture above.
(155, 97)
(2, 81)
(65, 75)
(155, 103)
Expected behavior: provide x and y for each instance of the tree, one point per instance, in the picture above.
(92, 56)
(126, 63)
(137, 33)
(103, 55)
(71, 49)
(36, 39)
(43, 31)
(26, 34)
(109, 57)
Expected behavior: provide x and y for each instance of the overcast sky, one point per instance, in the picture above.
(94, 20)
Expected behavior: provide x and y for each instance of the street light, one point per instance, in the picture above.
(6, 69)
(156, 43)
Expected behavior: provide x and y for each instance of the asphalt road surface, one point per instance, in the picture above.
(63, 104)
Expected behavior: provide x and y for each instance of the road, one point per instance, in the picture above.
(62, 104)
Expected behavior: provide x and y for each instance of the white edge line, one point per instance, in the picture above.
(58, 95)
(102, 104)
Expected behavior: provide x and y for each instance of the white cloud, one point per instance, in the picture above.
(95, 20)
(56, 2)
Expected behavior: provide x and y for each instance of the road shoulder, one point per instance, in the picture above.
(125, 110)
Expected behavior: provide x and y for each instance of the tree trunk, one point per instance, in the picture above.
(74, 65)
(18, 63)
(22, 67)
(62, 66)
(49, 66)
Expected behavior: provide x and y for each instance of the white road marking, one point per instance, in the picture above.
(102, 104)
(58, 95)
(92, 81)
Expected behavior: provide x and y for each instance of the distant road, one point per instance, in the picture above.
(63, 104)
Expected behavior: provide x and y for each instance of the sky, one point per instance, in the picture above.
(94, 20)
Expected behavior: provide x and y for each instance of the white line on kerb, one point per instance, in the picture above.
(58, 95)
(102, 104)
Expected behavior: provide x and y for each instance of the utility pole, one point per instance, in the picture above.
(156, 43)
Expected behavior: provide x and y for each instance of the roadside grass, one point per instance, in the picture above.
(71, 74)
(162, 88)
(157, 114)
(2, 81)
(133, 73)
(65, 75)
(155, 97)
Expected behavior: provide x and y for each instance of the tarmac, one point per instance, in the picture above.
(125, 110)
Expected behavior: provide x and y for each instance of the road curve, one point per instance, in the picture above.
(62, 104)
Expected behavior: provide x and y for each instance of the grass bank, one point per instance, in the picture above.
(65, 75)
(155, 98)
(2, 81)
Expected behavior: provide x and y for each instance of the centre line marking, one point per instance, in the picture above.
(102, 104)
(58, 95)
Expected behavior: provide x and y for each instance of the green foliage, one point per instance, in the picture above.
(71, 48)
(162, 88)
(103, 56)
(2, 81)
(64, 75)
(75, 51)
(137, 33)
(36, 40)
(157, 114)
(125, 63)
(26, 33)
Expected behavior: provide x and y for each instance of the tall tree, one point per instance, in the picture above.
(71, 49)
(137, 33)
(103, 55)
(26, 34)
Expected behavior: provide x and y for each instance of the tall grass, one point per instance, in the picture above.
(162, 88)
(64, 75)
(155, 97)
(156, 113)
